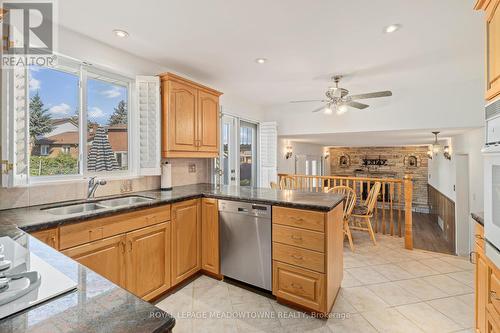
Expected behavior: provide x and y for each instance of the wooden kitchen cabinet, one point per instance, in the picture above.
(481, 284)
(105, 257)
(210, 236)
(492, 22)
(48, 236)
(186, 240)
(190, 124)
(148, 260)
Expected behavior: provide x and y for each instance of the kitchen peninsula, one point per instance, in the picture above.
(151, 246)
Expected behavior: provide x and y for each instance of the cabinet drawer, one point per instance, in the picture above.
(299, 257)
(311, 240)
(494, 289)
(299, 218)
(49, 237)
(88, 231)
(300, 286)
(479, 235)
(492, 326)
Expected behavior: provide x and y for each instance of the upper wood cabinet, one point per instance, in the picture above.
(210, 236)
(492, 18)
(190, 124)
(186, 240)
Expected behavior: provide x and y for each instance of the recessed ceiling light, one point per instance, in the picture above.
(120, 33)
(392, 28)
(260, 60)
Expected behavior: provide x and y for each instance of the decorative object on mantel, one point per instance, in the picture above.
(374, 161)
(447, 152)
(410, 161)
(288, 153)
(344, 161)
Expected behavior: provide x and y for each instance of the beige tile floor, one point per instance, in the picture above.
(385, 289)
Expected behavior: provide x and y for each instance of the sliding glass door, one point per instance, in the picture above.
(238, 155)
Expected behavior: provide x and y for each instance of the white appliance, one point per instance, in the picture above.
(26, 280)
(492, 203)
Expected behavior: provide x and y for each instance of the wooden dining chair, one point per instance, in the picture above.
(288, 183)
(362, 215)
(350, 201)
(274, 185)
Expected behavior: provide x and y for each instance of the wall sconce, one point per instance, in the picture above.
(288, 153)
(429, 153)
(447, 152)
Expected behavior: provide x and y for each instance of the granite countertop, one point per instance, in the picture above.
(98, 304)
(478, 217)
(35, 218)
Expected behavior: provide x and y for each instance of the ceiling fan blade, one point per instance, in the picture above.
(357, 105)
(310, 100)
(372, 95)
(319, 109)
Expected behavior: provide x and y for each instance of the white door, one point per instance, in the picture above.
(228, 151)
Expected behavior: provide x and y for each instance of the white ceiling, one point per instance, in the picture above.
(377, 139)
(216, 41)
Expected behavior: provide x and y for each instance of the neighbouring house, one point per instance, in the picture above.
(63, 139)
(118, 138)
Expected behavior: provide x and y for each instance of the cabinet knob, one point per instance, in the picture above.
(493, 296)
(473, 257)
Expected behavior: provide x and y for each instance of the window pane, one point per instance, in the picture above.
(54, 133)
(107, 126)
(247, 153)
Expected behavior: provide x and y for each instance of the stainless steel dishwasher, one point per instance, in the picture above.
(245, 242)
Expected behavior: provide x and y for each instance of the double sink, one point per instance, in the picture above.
(93, 206)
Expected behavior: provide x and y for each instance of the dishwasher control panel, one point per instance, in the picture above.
(246, 208)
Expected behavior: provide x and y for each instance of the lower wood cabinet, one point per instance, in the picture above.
(186, 240)
(48, 236)
(105, 257)
(210, 261)
(481, 281)
(148, 260)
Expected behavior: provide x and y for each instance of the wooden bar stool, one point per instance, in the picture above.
(361, 215)
(350, 200)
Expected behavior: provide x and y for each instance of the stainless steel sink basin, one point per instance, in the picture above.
(125, 201)
(74, 209)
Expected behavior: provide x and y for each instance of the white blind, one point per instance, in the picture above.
(268, 153)
(148, 106)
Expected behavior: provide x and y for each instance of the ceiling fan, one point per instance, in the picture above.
(337, 99)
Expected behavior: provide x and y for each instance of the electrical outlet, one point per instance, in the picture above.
(192, 168)
(126, 186)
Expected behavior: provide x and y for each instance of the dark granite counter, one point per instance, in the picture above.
(478, 217)
(97, 305)
(36, 218)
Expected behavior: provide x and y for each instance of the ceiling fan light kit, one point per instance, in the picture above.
(338, 99)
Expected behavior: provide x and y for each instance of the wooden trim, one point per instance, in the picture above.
(442, 206)
(168, 76)
(481, 4)
(408, 184)
(189, 154)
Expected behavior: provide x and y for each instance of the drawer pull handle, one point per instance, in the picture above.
(493, 296)
(122, 245)
(479, 237)
(297, 238)
(297, 257)
(130, 245)
(296, 286)
(473, 257)
(298, 219)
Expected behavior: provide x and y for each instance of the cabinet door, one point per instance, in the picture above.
(181, 115)
(493, 49)
(481, 281)
(49, 237)
(148, 260)
(186, 240)
(210, 236)
(208, 122)
(105, 257)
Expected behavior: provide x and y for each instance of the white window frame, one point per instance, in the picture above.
(44, 150)
(70, 65)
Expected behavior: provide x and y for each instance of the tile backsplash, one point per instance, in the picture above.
(184, 172)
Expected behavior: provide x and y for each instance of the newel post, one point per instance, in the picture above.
(408, 186)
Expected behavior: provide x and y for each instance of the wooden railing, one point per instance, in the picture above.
(395, 198)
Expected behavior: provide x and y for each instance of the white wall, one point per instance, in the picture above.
(298, 148)
(442, 174)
